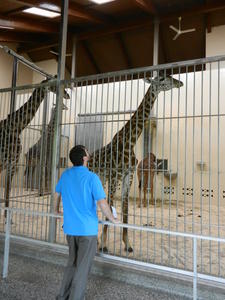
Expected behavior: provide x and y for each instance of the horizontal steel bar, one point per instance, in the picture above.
(160, 267)
(64, 249)
(25, 61)
(122, 225)
(152, 68)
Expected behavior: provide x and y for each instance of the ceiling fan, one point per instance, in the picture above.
(179, 31)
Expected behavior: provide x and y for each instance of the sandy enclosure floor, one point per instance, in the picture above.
(201, 218)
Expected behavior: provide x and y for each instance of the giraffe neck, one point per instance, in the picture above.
(133, 128)
(51, 123)
(22, 117)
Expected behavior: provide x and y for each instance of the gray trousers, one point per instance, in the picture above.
(82, 250)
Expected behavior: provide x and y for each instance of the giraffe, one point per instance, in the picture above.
(38, 157)
(145, 168)
(116, 161)
(10, 130)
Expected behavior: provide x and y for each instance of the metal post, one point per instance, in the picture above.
(194, 268)
(73, 67)
(59, 101)
(14, 79)
(7, 243)
(148, 132)
(156, 42)
(41, 174)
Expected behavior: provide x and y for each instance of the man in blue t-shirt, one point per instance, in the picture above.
(80, 190)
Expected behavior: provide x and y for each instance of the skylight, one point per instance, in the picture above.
(41, 12)
(101, 1)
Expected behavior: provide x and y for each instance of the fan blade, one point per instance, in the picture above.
(56, 53)
(174, 28)
(188, 30)
(176, 36)
(53, 52)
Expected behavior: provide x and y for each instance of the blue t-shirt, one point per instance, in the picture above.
(80, 190)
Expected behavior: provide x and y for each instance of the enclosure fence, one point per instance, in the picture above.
(155, 135)
(195, 238)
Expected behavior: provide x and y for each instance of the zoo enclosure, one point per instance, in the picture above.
(184, 128)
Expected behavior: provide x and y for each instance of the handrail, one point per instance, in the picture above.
(195, 237)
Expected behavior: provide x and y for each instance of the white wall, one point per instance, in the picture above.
(215, 41)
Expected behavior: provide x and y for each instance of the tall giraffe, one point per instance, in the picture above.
(146, 168)
(116, 161)
(10, 130)
(36, 157)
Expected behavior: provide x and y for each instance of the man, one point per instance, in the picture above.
(80, 190)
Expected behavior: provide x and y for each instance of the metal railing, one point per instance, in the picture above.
(195, 274)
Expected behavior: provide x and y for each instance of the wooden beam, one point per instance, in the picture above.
(146, 5)
(19, 37)
(195, 10)
(124, 50)
(162, 46)
(111, 29)
(91, 57)
(74, 10)
(38, 46)
(35, 26)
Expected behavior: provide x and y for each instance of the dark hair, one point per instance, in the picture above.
(76, 155)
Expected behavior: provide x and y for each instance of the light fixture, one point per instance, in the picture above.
(6, 27)
(51, 7)
(101, 1)
(41, 12)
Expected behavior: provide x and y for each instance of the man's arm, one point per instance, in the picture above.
(57, 199)
(104, 206)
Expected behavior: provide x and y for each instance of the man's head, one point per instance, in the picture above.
(79, 155)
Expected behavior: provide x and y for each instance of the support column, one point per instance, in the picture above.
(59, 102)
(73, 67)
(14, 79)
(148, 130)
(156, 42)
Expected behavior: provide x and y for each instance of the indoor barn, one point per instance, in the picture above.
(153, 128)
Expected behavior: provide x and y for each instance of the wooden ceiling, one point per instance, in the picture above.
(113, 36)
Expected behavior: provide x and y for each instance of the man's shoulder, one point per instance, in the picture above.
(94, 176)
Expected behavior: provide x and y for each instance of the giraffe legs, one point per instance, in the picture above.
(127, 181)
(112, 190)
(10, 171)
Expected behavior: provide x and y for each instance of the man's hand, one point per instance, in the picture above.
(116, 221)
(104, 206)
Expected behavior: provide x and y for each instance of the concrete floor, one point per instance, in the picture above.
(37, 280)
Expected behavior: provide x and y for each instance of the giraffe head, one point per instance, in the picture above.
(164, 83)
(53, 87)
(64, 107)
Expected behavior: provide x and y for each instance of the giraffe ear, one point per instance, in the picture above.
(147, 80)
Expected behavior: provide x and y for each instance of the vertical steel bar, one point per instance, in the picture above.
(178, 169)
(59, 101)
(7, 244)
(218, 169)
(73, 67)
(162, 174)
(156, 44)
(14, 80)
(195, 268)
(193, 152)
(210, 168)
(201, 158)
(185, 162)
